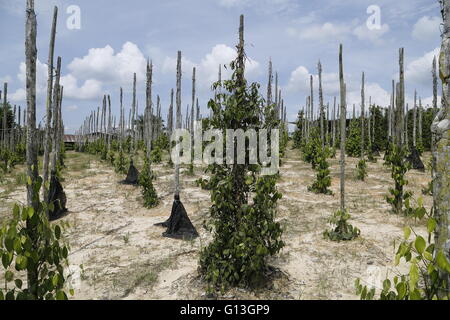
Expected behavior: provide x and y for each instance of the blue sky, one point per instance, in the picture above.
(116, 37)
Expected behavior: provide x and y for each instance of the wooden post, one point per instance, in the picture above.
(193, 106)
(334, 122)
(133, 111)
(55, 115)
(269, 84)
(32, 161)
(321, 112)
(342, 125)
(147, 112)
(311, 99)
(47, 139)
(420, 121)
(441, 152)
(5, 114)
(178, 126)
(414, 118)
(362, 115)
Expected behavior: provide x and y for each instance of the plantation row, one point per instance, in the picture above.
(243, 213)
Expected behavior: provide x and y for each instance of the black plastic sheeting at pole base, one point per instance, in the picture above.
(57, 197)
(179, 226)
(414, 159)
(132, 175)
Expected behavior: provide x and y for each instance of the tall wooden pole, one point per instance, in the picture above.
(342, 125)
(48, 119)
(441, 152)
(55, 115)
(322, 133)
(362, 115)
(31, 153)
(178, 126)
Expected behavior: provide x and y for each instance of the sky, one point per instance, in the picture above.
(103, 42)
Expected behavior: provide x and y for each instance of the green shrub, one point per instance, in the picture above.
(342, 230)
(361, 168)
(146, 182)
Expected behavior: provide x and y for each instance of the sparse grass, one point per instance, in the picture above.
(126, 238)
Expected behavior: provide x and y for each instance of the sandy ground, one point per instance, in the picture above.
(118, 253)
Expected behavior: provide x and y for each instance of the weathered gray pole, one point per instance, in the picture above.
(178, 126)
(342, 126)
(133, 111)
(269, 84)
(55, 114)
(441, 152)
(322, 137)
(362, 115)
(415, 118)
(5, 114)
(31, 153)
(48, 119)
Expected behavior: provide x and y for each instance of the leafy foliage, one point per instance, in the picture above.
(156, 155)
(353, 141)
(342, 230)
(120, 163)
(298, 133)
(146, 182)
(28, 242)
(323, 179)
(361, 168)
(399, 167)
(428, 268)
(312, 148)
(245, 233)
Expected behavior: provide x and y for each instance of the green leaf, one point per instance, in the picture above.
(57, 232)
(72, 292)
(2, 297)
(60, 295)
(428, 256)
(9, 244)
(30, 212)
(442, 262)
(420, 244)
(9, 276)
(18, 283)
(406, 232)
(24, 214)
(16, 210)
(413, 275)
(55, 280)
(401, 289)
(6, 259)
(431, 225)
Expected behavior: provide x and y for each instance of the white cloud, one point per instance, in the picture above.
(299, 81)
(104, 65)
(4, 79)
(266, 6)
(419, 71)
(91, 88)
(372, 90)
(207, 69)
(364, 33)
(72, 108)
(320, 32)
(41, 81)
(426, 28)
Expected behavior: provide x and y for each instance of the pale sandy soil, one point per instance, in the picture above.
(118, 253)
